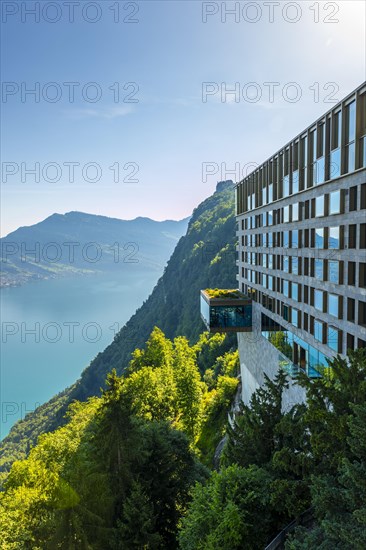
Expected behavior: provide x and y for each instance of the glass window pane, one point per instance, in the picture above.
(335, 202)
(318, 331)
(295, 239)
(286, 214)
(363, 151)
(333, 271)
(295, 181)
(318, 299)
(319, 206)
(270, 193)
(351, 122)
(286, 288)
(332, 340)
(333, 304)
(295, 265)
(351, 157)
(319, 238)
(319, 271)
(295, 291)
(295, 317)
(295, 212)
(335, 164)
(286, 262)
(319, 167)
(333, 237)
(286, 186)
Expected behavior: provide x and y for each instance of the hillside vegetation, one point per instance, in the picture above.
(204, 257)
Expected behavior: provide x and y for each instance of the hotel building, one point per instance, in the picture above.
(301, 227)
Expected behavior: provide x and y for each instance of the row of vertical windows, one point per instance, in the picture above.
(334, 146)
(323, 205)
(324, 301)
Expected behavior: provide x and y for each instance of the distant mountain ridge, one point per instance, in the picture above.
(78, 243)
(204, 257)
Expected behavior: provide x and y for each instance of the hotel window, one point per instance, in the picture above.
(363, 196)
(362, 313)
(295, 317)
(295, 181)
(334, 339)
(319, 238)
(270, 282)
(352, 273)
(295, 291)
(319, 270)
(319, 206)
(335, 154)
(350, 135)
(295, 212)
(333, 272)
(318, 330)
(270, 193)
(362, 118)
(362, 275)
(352, 235)
(351, 310)
(264, 195)
(303, 161)
(335, 202)
(362, 235)
(318, 299)
(320, 162)
(353, 198)
(286, 214)
(350, 342)
(333, 241)
(333, 304)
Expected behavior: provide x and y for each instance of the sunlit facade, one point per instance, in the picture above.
(301, 226)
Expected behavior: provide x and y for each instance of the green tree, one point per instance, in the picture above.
(253, 439)
(189, 386)
(231, 512)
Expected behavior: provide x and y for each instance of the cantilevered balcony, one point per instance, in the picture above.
(226, 310)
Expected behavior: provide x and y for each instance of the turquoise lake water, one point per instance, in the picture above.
(51, 330)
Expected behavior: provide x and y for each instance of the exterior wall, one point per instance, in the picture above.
(257, 358)
(301, 227)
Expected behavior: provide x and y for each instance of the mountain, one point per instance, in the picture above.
(78, 243)
(204, 257)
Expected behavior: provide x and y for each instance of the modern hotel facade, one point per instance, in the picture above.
(301, 227)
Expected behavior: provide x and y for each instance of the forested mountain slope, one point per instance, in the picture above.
(204, 257)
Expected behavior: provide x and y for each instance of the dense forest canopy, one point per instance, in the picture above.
(133, 468)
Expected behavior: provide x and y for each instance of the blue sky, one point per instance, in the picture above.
(167, 136)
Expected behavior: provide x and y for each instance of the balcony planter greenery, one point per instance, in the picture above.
(226, 310)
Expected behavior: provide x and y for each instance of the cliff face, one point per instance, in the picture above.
(204, 257)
